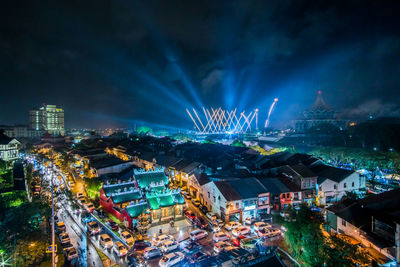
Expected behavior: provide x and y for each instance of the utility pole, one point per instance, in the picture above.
(53, 253)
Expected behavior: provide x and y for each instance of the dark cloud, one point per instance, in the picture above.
(148, 60)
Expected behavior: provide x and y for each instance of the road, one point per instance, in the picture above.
(88, 255)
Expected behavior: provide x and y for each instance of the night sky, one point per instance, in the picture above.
(124, 62)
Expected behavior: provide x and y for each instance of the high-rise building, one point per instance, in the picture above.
(48, 118)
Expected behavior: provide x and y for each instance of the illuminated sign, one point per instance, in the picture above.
(252, 207)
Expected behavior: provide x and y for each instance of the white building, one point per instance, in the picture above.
(236, 199)
(9, 147)
(48, 118)
(333, 183)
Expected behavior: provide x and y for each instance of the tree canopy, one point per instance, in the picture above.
(308, 244)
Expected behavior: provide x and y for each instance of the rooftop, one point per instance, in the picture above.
(105, 162)
(136, 209)
(332, 173)
(274, 185)
(145, 179)
(248, 187)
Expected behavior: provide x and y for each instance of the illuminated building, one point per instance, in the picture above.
(319, 114)
(48, 118)
(9, 147)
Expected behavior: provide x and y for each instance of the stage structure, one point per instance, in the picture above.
(220, 121)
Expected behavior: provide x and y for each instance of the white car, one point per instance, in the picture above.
(232, 225)
(106, 241)
(249, 220)
(120, 249)
(221, 246)
(93, 228)
(220, 236)
(168, 246)
(241, 230)
(268, 232)
(157, 241)
(211, 216)
(198, 234)
(127, 237)
(260, 225)
(171, 259)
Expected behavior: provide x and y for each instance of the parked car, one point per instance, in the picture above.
(203, 209)
(169, 245)
(198, 234)
(268, 232)
(157, 241)
(106, 241)
(79, 195)
(56, 220)
(214, 226)
(190, 215)
(200, 222)
(241, 230)
(221, 246)
(220, 236)
(249, 220)
(219, 222)
(140, 246)
(61, 227)
(127, 237)
(249, 243)
(260, 225)
(152, 252)
(71, 253)
(120, 249)
(211, 216)
(89, 207)
(64, 238)
(195, 202)
(93, 228)
(82, 201)
(113, 225)
(171, 259)
(191, 247)
(187, 196)
(232, 225)
(236, 241)
(66, 246)
(198, 257)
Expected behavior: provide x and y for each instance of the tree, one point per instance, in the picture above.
(307, 243)
(3, 165)
(304, 236)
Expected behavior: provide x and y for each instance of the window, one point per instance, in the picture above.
(208, 194)
(214, 198)
(344, 223)
(237, 205)
(352, 184)
(344, 185)
(335, 187)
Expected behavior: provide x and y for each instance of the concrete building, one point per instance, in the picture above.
(333, 183)
(374, 221)
(49, 118)
(236, 199)
(9, 147)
